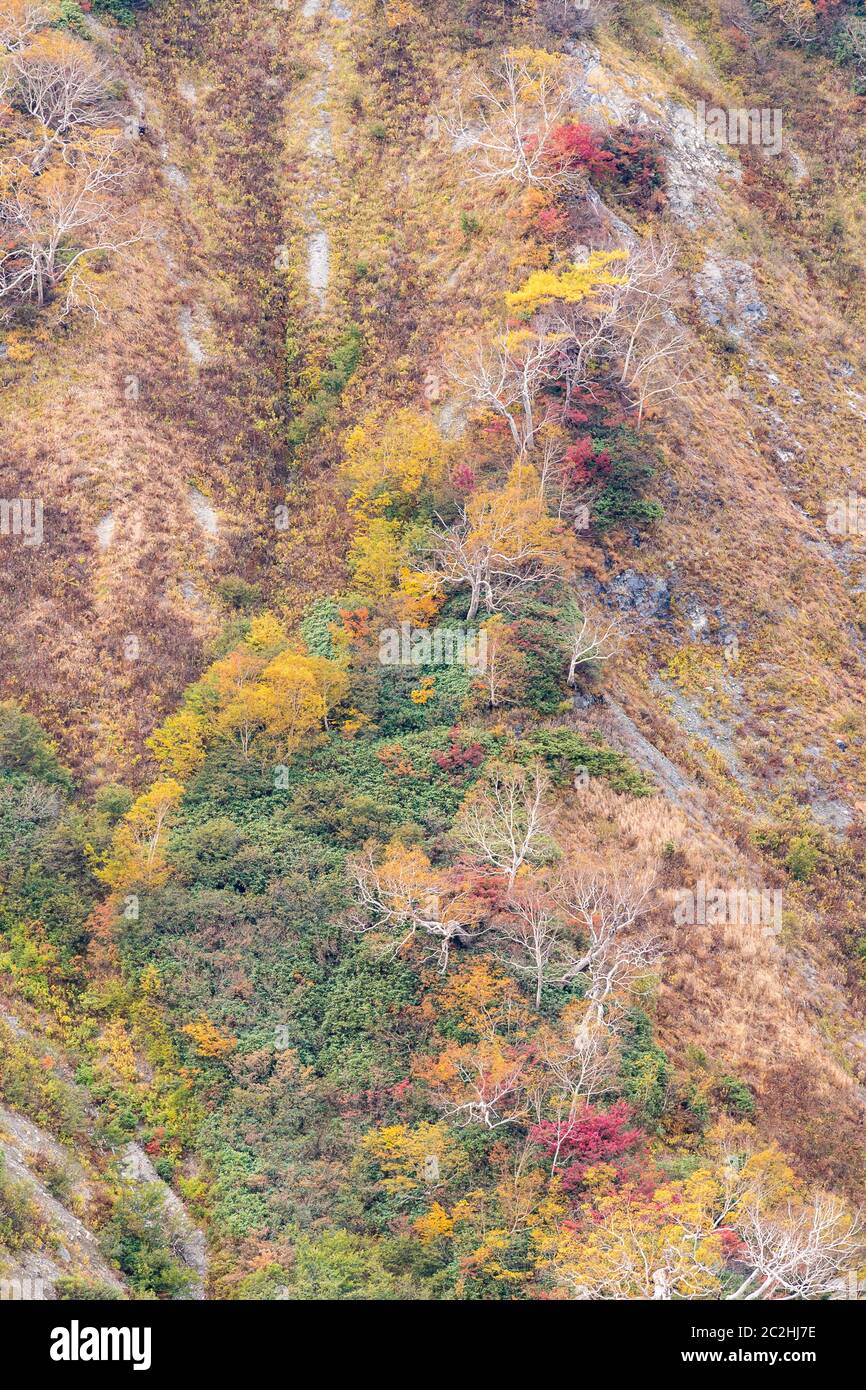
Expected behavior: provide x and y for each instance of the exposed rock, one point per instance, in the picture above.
(193, 321)
(105, 530)
(728, 298)
(319, 264)
(176, 177)
(20, 1141)
(204, 514)
(187, 1240)
(651, 598)
(695, 164)
(675, 38)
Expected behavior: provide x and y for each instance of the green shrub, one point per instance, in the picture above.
(75, 1288)
(236, 593)
(633, 463)
(645, 1069)
(565, 752)
(137, 1238)
(25, 748)
(310, 414)
(735, 1096)
(802, 858)
(319, 617)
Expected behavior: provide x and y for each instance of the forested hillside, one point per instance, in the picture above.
(432, 706)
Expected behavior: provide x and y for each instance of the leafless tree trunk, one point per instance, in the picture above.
(606, 908)
(799, 1253)
(588, 642)
(510, 122)
(649, 342)
(57, 220)
(20, 20)
(505, 375)
(506, 821)
(404, 904)
(530, 933)
(61, 86)
(495, 556)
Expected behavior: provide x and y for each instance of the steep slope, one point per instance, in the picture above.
(321, 263)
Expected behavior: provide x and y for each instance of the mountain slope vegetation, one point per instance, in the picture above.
(432, 781)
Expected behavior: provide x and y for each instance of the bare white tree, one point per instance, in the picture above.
(493, 1094)
(510, 121)
(573, 19)
(649, 343)
(584, 335)
(630, 329)
(62, 86)
(496, 553)
(798, 1253)
(531, 935)
(21, 19)
(505, 374)
(583, 1070)
(587, 1068)
(56, 221)
(606, 908)
(588, 642)
(797, 17)
(853, 33)
(401, 902)
(505, 822)
(552, 471)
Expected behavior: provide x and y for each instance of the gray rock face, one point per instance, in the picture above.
(728, 297)
(675, 38)
(695, 164)
(650, 598)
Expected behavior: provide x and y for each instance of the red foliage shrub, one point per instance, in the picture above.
(459, 756)
(577, 147)
(489, 889)
(584, 465)
(551, 222)
(463, 478)
(593, 1136)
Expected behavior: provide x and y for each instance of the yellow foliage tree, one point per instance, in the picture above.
(393, 459)
(574, 285)
(136, 850)
(505, 541)
(419, 598)
(639, 1245)
(119, 1054)
(482, 999)
(267, 635)
(235, 673)
(435, 1224)
(377, 556)
(296, 694)
(178, 744)
(677, 1241)
(412, 1158)
(234, 683)
(209, 1041)
(260, 687)
(246, 714)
